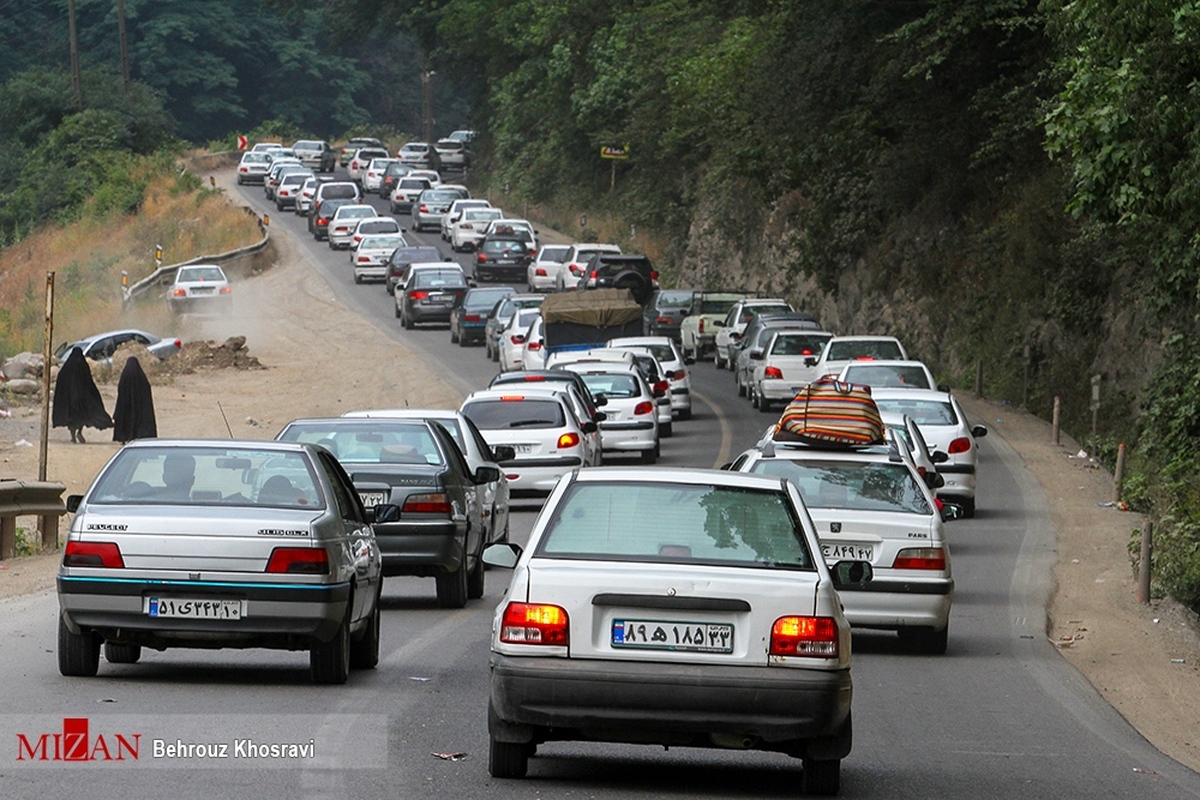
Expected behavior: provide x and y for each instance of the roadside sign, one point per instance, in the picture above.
(242, 143)
(620, 153)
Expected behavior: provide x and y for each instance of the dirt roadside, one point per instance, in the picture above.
(321, 358)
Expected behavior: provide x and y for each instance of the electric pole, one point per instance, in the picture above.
(76, 81)
(124, 45)
(427, 100)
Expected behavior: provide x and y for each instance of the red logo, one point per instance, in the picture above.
(75, 743)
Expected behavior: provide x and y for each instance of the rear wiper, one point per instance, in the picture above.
(521, 423)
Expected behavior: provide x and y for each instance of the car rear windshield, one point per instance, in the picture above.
(380, 242)
(199, 274)
(677, 523)
(716, 306)
(484, 299)
(205, 476)
(858, 485)
(413, 183)
(904, 377)
(922, 412)
(848, 350)
(333, 191)
(491, 415)
(504, 245)
(675, 300)
(613, 385)
(438, 280)
(552, 253)
(748, 312)
(379, 226)
(372, 442)
(798, 344)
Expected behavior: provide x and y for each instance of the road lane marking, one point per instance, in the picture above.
(726, 431)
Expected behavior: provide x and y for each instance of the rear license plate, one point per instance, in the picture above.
(852, 552)
(372, 499)
(697, 637)
(188, 608)
(522, 448)
(440, 299)
(202, 290)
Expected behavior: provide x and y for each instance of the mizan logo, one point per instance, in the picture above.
(75, 743)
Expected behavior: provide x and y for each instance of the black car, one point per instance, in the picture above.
(469, 318)
(502, 257)
(321, 215)
(430, 296)
(416, 466)
(394, 172)
(617, 271)
(664, 311)
(405, 256)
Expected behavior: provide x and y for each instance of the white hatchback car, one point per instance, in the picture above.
(842, 350)
(511, 344)
(576, 261)
(631, 422)
(945, 427)
(548, 438)
(533, 349)
(340, 232)
(737, 319)
(373, 226)
(888, 374)
(372, 177)
(673, 363)
(870, 504)
(542, 275)
(673, 607)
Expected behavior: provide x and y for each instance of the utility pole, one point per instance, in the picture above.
(76, 81)
(124, 45)
(47, 345)
(427, 100)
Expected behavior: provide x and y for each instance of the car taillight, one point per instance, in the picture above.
(540, 272)
(644, 407)
(178, 343)
(593, 276)
(424, 208)
(960, 445)
(364, 260)
(432, 503)
(480, 257)
(700, 327)
(663, 320)
(243, 169)
(530, 623)
(180, 293)
(814, 637)
(662, 386)
(470, 318)
(93, 554)
(568, 440)
(678, 375)
(226, 290)
(417, 294)
(322, 221)
(773, 372)
(576, 268)
(653, 275)
(302, 560)
(517, 339)
(535, 345)
(865, 358)
(920, 558)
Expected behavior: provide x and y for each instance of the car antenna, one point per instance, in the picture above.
(222, 410)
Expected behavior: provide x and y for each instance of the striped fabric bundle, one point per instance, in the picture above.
(829, 412)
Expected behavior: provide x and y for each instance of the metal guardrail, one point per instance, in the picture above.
(153, 278)
(42, 499)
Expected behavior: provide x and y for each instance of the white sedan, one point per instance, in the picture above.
(467, 233)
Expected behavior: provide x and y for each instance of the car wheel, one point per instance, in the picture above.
(717, 360)
(454, 337)
(685, 413)
(667, 430)
(968, 506)
(408, 323)
(741, 387)
(650, 456)
(495, 354)
(122, 653)
(329, 662)
(358, 278)
(508, 759)
(364, 651)
(396, 308)
(926, 641)
(763, 403)
(452, 587)
(475, 581)
(78, 653)
(821, 777)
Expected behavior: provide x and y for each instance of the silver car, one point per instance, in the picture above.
(213, 544)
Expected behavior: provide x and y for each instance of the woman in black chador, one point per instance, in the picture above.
(133, 416)
(77, 401)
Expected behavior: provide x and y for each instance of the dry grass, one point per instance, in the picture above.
(89, 256)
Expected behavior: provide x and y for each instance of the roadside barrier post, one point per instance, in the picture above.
(1119, 472)
(1144, 562)
(1054, 427)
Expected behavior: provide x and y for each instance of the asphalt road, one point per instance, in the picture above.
(1000, 715)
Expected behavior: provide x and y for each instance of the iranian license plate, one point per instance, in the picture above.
(698, 637)
(439, 299)
(848, 551)
(372, 499)
(190, 608)
(522, 448)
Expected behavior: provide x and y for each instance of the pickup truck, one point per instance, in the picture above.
(698, 330)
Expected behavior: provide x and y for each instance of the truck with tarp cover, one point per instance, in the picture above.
(583, 320)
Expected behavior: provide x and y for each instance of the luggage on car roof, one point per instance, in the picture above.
(829, 412)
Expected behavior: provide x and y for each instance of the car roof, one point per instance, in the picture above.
(404, 413)
(744, 480)
(218, 444)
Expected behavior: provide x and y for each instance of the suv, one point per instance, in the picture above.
(571, 275)
(615, 271)
(315, 154)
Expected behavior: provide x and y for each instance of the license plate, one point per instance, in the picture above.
(522, 448)
(851, 552)
(202, 290)
(440, 299)
(697, 637)
(372, 499)
(189, 608)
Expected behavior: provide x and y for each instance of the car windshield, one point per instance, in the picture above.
(373, 442)
(612, 385)
(850, 349)
(922, 412)
(199, 274)
(379, 226)
(355, 212)
(677, 524)
(518, 412)
(438, 280)
(380, 242)
(798, 345)
(205, 476)
(910, 377)
(857, 485)
(484, 299)
(477, 214)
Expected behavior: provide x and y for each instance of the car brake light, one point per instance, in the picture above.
(653, 275)
(517, 339)
(470, 318)
(662, 386)
(303, 560)
(480, 257)
(226, 290)
(243, 169)
(773, 372)
(93, 554)
(178, 343)
(433, 503)
(509, 398)
(364, 260)
(960, 445)
(529, 623)
(568, 440)
(805, 636)
(678, 375)
(540, 272)
(700, 327)
(593, 276)
(865, 358)
(644, 407)
(920, 558)
(535, 345)
(424, 209)
(180, 293)
(417, 294)
(663, 320)
(533, 378)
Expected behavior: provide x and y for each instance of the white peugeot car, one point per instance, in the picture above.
(631, 420)
(674, 365)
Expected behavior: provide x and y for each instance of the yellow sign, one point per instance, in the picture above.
(615, 152)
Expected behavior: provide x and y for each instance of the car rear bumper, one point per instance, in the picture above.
(505, 272)
(438, 313)
(960, 481)
(420, 548)
(534, 699)
(681, 399)
(218, 303)
(537, 475)
(779, 390)
(373, 271)
(636, 436)
(892, 603)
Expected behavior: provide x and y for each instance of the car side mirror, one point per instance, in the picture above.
(601, 400)
(504, 452)
(938, 457)
(383, 513)
(852, 574)
(811, 361)
(589, 427)
(979, 431)
(757, 355)
(73, 502)
(951, 511)
(934, 480)
(944, 387)
(718, 324)
(502, 554)
(689, 360)
(599, 417)
(487, 474)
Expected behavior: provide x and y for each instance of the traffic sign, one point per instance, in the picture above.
(615, 152)
(242, 143)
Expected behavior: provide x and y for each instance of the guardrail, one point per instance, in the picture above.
(42, 499)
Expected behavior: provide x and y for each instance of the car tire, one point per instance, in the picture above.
(650, 456)
(764, 405)
(454, 337)
(122, 653)
(364, 651)
(507, 759)
(741, 387)
(329, 662)
(667, 430)
(475, 581)
(452, 587)
(685, 413)
(408, 323)
(968, 506)
(926, 641)
(821, 776)
(358, 278)
(495, 354)
(396, 308)
(717, 360)
(78, 653)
